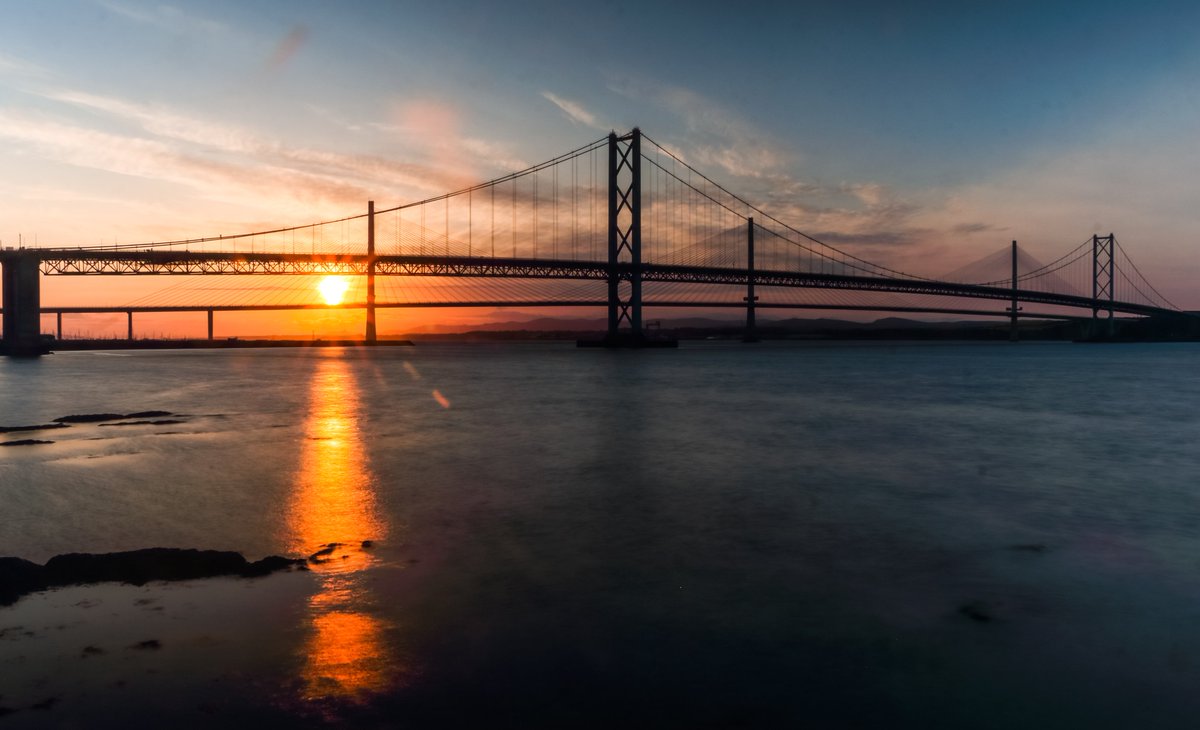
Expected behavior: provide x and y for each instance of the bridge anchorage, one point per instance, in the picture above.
(619, 225)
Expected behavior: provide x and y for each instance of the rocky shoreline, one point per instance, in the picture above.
(140, 418)
(19, 577)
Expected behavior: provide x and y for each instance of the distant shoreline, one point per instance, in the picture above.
(698, 329)
(204, 344)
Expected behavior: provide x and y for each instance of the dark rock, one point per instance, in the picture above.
(1029, 547)
(320, 556)
(367, 544)
(164, 422)
(149, 414)
(140, 566)
(90, 418)
(42, 427)
(270, 564)
(147, 644)
(24, 442)
(18, 577)
(91, 651)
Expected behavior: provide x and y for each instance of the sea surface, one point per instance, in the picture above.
(723, 535)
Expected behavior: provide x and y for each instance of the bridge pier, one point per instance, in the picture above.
(58, 328)
(129, 322)
(210, 325)
(22, 304)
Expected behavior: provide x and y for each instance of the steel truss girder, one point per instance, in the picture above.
(738, 277)
(170, 263)
(74, 263)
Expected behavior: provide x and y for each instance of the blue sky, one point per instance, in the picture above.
(923, 135)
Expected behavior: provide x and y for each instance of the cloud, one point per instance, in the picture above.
(194, 165)
(12, 66)
(274, 179)
(435, 125)
(574, 111)
(909, 230)
(432, 130)
(166, 18)
(968, 229)
(713, 136)
(163, 122)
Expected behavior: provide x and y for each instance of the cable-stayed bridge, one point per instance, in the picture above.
(621, 224)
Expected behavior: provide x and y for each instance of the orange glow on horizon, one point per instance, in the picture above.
(338, 321)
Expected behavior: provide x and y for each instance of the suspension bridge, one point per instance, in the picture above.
(619, 225)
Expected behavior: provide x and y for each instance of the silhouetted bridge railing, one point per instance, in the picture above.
(680, 252)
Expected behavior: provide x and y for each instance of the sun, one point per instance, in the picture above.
(333, 289)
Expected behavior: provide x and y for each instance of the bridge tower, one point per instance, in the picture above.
(370, 334)
(1103, 272)
(22, 304)
(1014, 309)
(625, 239)
(751, 332)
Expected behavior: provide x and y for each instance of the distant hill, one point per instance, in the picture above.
(715, 327)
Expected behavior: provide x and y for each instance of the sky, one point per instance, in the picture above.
(920, 135)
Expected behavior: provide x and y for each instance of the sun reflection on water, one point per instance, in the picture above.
(345, 655)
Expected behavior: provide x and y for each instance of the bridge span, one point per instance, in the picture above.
(689, 236)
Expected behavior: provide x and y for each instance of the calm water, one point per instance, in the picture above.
(719, 536)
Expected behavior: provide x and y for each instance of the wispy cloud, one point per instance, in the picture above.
(713, 135)
(163, 17)
(437, 125)
(193, 159)
(866, 218)
(12, 66)
(574, 110)
(203, 138)
(163, 122)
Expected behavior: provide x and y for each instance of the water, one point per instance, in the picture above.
(723, 535)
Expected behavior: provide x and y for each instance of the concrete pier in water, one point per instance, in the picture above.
(22, 304)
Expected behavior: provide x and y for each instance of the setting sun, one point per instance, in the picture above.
(333, 289)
